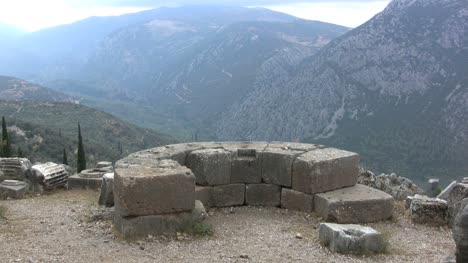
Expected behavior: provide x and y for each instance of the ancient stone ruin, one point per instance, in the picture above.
(14, 168)
(155, 191)
(91, 178)
(48, 176)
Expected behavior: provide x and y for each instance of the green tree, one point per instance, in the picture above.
(5, 143)
(81, 159)
(65, 158)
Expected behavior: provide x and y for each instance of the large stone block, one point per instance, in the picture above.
(323, 170)
(296, 201)
(351, 239)
(262, 195)
(277, 165)
(228, 195)
(142, 226)
(429, 211)
(140, 191)
(78, 182)
(13, 189)
(246, 167)
(294, 146)
(211, 166)
(357, 204)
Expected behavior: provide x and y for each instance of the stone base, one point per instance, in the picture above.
(262, 195)
(429, 211)
(228, 195)
(142, 226)
(357, 204)
(13, 189)
(351, 239)
(77, 182)
(296, 201)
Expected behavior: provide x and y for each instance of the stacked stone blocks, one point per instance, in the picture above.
(167, 180)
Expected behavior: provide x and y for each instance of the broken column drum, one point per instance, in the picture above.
(162, 184)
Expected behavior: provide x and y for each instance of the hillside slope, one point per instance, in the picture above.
(394, 89)
(13, 89)
(43, 129)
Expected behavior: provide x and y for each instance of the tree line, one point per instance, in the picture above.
(6, 148)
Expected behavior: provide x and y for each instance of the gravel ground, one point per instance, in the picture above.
(67, 226)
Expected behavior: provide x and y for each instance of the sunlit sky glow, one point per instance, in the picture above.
(33, 15)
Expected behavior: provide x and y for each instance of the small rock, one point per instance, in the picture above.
(299, 236)
(244, 256)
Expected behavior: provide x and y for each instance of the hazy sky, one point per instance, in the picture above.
(36, 14)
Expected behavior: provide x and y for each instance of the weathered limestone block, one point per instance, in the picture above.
(13, 189)
(296, 201)
(140, 191)
(460, 234)
(78, 182)
(429, 211)
(15, 168)
(356, 204)
(246, 167)
(277, 165)
(204, 195)
(142, 226)
(262, 195)
(228, 195)
(351, 239)
(211, 166)
(446, 192)
(458, 193)
(324, 170)
(106, 197)
(294, 146)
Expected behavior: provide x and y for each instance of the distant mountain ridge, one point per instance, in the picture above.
(394, 89)
(14, 89)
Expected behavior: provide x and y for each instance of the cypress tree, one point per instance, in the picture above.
(6, 145)
(65, 158)
(81, 159)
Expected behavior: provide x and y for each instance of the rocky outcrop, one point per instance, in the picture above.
(454, 201)
(398, 187)
(460, 234)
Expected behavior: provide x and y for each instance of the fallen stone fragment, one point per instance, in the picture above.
(446, 192)
(356, 204)
(351, 239)
(106, 198)
(13, 189)
(429, 211)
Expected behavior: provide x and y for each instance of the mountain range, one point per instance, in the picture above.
(394, 89)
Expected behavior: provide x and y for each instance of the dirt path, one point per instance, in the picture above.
(63, 228)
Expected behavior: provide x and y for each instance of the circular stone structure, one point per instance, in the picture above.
(165, 189)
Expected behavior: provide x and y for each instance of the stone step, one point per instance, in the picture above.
(354, 205)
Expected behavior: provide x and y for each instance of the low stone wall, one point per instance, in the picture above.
(167, 180)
